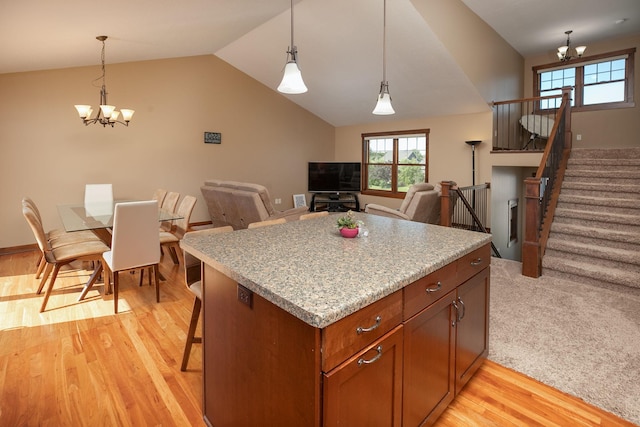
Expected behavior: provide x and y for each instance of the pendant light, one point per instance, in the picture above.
(107, 114)
(292, 82)
(383, 106)
(564, 52)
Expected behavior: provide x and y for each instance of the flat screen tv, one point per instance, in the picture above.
(334, 177)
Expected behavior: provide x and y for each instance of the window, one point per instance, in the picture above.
(393, 161)
(599, 81)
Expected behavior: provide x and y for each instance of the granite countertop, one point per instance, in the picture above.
(310, 271)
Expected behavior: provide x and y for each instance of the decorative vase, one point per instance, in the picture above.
(349, 232)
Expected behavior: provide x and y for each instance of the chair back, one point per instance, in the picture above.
(98, 200)
(184, 211)
(36, 227)
(267, 222)
(313, 215)
(98, 193)
(135, 241)
(169, 204)
(192, 273)
(159, 195)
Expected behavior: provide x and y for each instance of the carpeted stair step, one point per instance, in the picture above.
(606, 220)
(612, 165)
(626, 260)
(602, 204)
(587, 188)
(606, 153)
(603, 176)
(585, 272)
(621, 239)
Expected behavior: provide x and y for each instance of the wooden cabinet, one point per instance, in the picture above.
(398, 361)
(366, 390)
(472, 326)
(445, 342)
(429, 357)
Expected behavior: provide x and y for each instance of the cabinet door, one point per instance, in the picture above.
(428, 363)
(472, 324)
(366, 390)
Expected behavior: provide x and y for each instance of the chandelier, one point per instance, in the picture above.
(383, 106)
(292, 82)
(107, 114)
(564, 52)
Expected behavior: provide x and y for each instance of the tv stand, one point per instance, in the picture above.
(334, 202)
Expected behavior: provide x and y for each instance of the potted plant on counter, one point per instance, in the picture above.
(348, 225)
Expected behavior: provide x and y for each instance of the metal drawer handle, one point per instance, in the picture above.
(436, 289)
(360, 329)
(477, 261)
(363, 361)
(463, 310)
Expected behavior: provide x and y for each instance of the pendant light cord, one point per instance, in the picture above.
(384, 41)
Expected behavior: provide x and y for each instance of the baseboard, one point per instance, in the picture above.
(18, 249)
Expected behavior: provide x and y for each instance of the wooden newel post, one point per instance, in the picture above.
(531, 254)
(446, 206)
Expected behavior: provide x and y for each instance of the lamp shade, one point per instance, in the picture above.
(383, 106)
(292, 82)
(127, 114)
(83, 110)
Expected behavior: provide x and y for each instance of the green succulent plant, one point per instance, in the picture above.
(348, 221)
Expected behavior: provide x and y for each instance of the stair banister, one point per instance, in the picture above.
(540, 204)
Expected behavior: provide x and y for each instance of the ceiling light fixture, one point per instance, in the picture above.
(383, 106)
(107, 114)
(292, 82)
(564, 52)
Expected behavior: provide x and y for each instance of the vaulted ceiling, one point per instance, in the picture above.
(339, 43)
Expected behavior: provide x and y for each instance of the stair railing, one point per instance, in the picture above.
(542, 190)
(465, 207)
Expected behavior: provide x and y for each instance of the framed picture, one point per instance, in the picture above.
(299, 200)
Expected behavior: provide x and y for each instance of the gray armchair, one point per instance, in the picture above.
(420, 204)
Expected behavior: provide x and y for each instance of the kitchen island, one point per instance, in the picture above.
(304, 327)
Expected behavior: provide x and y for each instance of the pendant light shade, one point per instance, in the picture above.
(292, 82)
(383, 106)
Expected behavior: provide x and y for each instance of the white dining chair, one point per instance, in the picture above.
(135, 243)
(98, 200)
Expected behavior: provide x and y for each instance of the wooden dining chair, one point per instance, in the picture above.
(135, 243)
(57, 257)
(169, 204)
(267, 223)
(192, 277)
(57, 236)
(171, 239)
(159, 195)
(314, 215)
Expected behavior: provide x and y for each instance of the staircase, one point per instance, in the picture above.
(595, 235)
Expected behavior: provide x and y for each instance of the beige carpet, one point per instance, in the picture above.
(578, 338)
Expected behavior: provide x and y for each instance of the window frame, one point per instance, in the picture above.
(578, 90)
(393, 193)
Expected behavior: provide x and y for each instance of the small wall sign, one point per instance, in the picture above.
(212, 138)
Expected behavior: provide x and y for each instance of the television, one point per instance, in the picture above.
(334, 177)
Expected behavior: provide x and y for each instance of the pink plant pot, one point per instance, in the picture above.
(349, 232)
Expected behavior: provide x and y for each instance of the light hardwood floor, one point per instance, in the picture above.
(78, 364)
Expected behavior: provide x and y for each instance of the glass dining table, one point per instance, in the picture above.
(98, 217)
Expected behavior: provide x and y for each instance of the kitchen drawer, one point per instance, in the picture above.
(473, 263)
(349, 335)
(429, 289)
